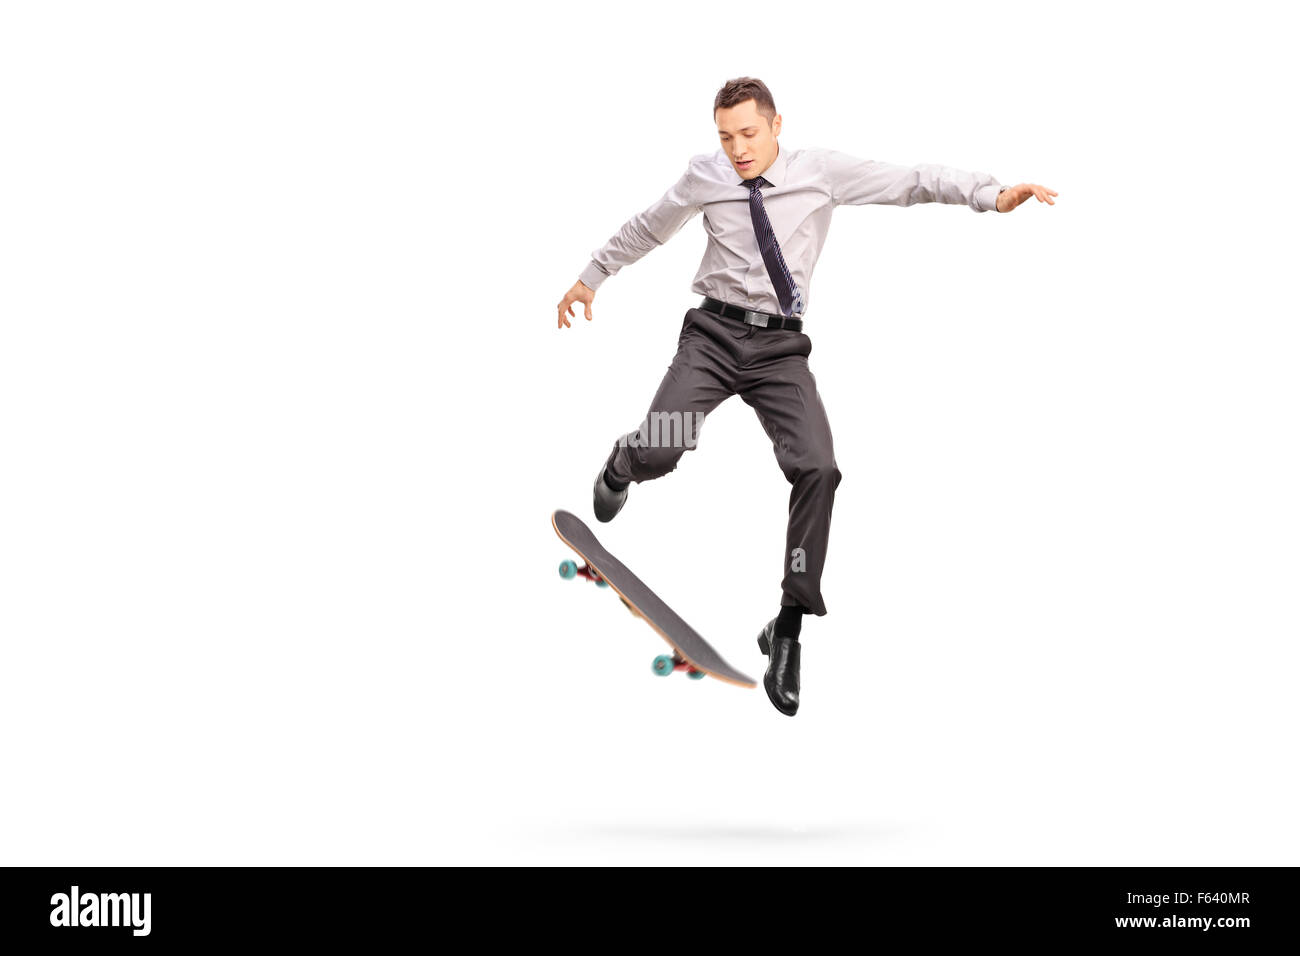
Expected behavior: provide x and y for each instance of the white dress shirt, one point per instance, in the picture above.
(807, 184)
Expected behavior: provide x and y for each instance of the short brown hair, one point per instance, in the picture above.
(746, 88)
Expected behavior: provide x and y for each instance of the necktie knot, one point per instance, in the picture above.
(755, 183)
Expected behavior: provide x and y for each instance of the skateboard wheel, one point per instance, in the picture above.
(568, 570)
(601, 582)
(693, 674)
(663, 665)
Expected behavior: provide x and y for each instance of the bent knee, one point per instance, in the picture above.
(658, 461)
(824, 472)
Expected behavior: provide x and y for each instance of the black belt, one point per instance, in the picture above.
(764, 320)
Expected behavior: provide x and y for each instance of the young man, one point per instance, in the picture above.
(766, 211)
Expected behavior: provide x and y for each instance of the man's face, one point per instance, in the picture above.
(750, 143)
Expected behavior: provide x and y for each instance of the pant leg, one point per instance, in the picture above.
(696, 382)
(783, 392)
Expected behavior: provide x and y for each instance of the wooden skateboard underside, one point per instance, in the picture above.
(689, 645)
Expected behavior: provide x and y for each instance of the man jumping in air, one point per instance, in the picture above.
(766, 211)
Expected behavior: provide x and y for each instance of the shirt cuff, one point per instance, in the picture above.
(592, 276)
(986, 197)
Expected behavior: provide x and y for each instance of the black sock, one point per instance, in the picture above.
(790, 620)
(611, 483)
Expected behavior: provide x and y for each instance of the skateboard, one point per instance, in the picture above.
(691, 653)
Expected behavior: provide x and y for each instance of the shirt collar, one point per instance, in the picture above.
(775, 174)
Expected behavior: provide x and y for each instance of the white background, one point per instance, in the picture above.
(284, 413)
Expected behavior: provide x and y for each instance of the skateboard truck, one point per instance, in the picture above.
(570, 570)
(665, 664)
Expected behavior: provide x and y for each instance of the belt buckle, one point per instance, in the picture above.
(757, 318)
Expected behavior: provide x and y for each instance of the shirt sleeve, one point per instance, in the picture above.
(645, 231)
(857, 182)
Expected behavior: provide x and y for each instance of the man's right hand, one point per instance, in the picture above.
(579, 293)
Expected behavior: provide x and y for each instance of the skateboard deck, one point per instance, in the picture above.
(692, 652)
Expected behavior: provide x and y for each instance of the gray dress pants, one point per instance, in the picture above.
(719, 357)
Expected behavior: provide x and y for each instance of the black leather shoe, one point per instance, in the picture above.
(782, 678)
(606, 502)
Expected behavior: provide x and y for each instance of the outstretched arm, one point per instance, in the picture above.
(639, 235)
(857, 182)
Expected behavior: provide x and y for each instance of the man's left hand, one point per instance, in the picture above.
(1013, 196)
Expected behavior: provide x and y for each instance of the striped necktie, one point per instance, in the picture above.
(786, 291)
